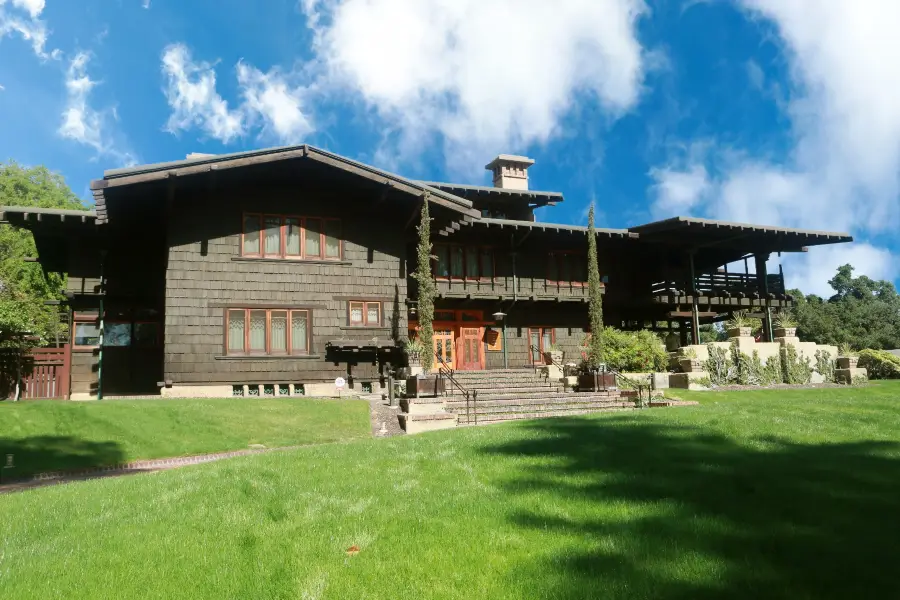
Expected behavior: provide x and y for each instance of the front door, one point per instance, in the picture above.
(470, 348)
(443, 348)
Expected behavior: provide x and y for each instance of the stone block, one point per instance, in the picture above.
(197, 391)
(659, 381)
(412, 423)
(688, 381)
(849, 375)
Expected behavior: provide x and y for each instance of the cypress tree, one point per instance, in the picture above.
(595, 299)
(426, 288)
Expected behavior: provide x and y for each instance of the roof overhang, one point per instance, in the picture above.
(204, 164)
(26, 216)
(697, 233)
(552, 228)
(495, 194)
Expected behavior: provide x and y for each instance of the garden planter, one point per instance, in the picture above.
(691, 365)
(847, 362)
(740, 332)
(418, 387)
(595, 382)
(781, 332)
(553, 357)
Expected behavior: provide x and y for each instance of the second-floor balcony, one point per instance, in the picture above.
(743, 289)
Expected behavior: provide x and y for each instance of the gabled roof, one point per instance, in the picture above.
(494, 193)
(205, 163)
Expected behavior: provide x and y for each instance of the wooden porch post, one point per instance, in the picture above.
(695, 308)
(762, 280)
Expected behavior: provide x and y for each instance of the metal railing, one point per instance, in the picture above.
(535, 351)
(471, 396)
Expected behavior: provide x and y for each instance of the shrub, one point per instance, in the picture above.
(638, 351)
(795, 370)
(825, 365)
(719, 366)
(880, 364)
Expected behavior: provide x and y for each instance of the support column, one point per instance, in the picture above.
(762, 281)
(695, 307)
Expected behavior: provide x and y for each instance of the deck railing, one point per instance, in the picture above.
(721, 283)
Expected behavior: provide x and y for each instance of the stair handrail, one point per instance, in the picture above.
(444, 369)
(534, 349)
(632, 383)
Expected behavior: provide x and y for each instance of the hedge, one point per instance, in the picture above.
(880, 364)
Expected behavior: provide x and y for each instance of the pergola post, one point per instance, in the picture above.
(695, 304)
(762, 280)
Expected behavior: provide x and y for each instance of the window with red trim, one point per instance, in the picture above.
(566, 267)
(463, 262)
(267, 331)
(291, 237)
(364, 314)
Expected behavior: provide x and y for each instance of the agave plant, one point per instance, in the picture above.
(739, 319)
(784, 320)
(844, 349)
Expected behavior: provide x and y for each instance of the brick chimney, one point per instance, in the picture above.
(510, 172)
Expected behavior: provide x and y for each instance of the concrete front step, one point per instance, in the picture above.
(549, 399)
(501, 391)
(492, 381)
(499, 418)
(516, 394)
(492, 412)
(417, 423)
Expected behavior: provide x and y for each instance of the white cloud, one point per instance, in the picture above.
(191, 93)
(487, 75)
(269, 97)
(145, 3)
(810, 273)
(81, 122)
(755, 74)
(678, 192)
(843, 171)
(269, 100)
(29, 27)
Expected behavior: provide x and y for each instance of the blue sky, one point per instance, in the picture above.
(781, 112)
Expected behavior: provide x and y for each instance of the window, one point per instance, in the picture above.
(461, 262)
(121, 334)
(540, 339)
(266, 331)
(364, 314)
(277, 236)
(87, 334)
(566, 268)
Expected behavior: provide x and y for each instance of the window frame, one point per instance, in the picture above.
(466, 252)
(555, 257)
(364, 305)
(540, 329)
(283, 233)
(90, 318)
(268, 352)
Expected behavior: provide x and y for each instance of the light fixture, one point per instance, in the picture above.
(499, 315)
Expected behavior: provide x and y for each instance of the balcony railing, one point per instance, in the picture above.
(731, 284)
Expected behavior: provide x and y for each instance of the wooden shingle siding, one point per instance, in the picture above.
(206, 273)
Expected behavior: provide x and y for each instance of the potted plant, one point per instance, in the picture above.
(553, 355)
(414, 350)
(739, 325)
(689, 362)
(785, 324)
(595, 379)
(847, 357)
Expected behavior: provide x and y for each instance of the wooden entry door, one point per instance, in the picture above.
(443, 347)
(470, 349)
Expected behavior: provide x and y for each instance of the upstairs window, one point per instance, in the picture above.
(463, 262)
(271, 332)
(364, 314)
(568, 268)
(291, 237)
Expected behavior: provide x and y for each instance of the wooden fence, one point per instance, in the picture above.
(41, 373)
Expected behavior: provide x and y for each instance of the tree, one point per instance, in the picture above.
(862, 313)
(426, 287)
(595, 298)
(23, 286)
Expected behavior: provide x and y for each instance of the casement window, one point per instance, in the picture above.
(290, 237)
(267, 331)
(541, 340)
(463, 262)
(141, 334)
(567, 268)
(86, 330)
(364, 314)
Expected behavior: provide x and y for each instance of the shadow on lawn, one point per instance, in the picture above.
(41, 454)
(713, 518)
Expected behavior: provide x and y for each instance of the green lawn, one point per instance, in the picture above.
(54, 435)
(750, 495)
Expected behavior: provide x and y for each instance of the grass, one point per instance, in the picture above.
(56, 435)
(772, 494)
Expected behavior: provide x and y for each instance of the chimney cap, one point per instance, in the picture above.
(509, 158)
